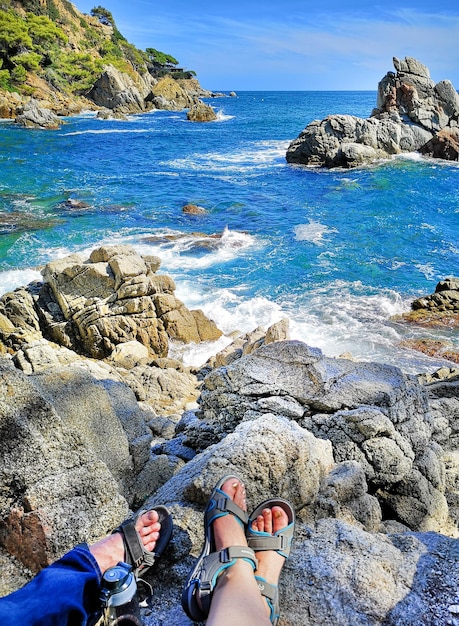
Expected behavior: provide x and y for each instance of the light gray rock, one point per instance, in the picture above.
(117, 90)
(411, 110)
(32, 115)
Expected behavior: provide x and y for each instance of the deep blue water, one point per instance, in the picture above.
(338, 252)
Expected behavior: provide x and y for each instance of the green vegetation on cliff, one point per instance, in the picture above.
(51, 39)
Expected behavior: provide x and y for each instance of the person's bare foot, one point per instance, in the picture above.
(226, 529)
(270, 563)
(110, 550)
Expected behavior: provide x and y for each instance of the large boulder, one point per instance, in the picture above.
(411, 110)
(372, 413)
(32, 115)
(117, 90)
(201, 112)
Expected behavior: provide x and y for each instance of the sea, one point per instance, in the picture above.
(337, 252)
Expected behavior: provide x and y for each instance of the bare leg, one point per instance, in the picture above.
(237, 599)
(110, 550)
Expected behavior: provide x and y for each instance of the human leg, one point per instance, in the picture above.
(236, 599)
(67, 592)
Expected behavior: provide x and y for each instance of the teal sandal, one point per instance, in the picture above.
(198, 590)
(280, 542)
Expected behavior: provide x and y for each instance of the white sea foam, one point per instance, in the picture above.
(182, 251)
(426, 269)
(313, 232)
(12, 279)
(258, 155)
(222, 117)
(108, 131)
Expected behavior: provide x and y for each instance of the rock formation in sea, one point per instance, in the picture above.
(412, 114)
(439, 310)
(97, 419)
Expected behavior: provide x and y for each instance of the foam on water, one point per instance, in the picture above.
(12, 279)
(313, 232)
(223, 117)
(181, 251)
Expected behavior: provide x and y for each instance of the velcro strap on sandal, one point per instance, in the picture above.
(238, 552)
(276, 542)
(132, 543)
(226, 505)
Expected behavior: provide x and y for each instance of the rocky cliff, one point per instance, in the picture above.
(95, 418)
(57, 61)
(412, 114)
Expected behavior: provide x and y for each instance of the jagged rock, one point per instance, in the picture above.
(117, 90)
(92, 305)
(437, 310)
(166, 391)
(31, 115)
(201, 112)
(373, 414)
(168, 94)
(10, 104)
(411, 110)
(445, 145)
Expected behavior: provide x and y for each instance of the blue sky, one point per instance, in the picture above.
(293, 44)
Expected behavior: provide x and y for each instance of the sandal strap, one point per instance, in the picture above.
(222, 505)
(214, 564)
(134, 550)
(271, 594)
(135, 553)
(279, 542)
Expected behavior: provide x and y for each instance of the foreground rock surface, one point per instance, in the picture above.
(413, 113)
(368, 456)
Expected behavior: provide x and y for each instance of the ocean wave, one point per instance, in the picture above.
(185, 251)
(313, 232)
(258, 155)
(12, 279)
(223, 117)
(337, 321)
(108, 131)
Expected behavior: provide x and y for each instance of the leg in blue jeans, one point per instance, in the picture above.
(67, 592)
(63, 594)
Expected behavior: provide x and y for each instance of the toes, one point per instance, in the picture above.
(279, 518)
(267, 520)
(236, 491)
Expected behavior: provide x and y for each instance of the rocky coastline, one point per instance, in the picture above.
(412, 114)
(96, 419)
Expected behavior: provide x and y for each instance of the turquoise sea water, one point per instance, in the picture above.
(338, 252)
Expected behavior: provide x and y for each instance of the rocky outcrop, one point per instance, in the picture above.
(201, 112)
(117, 90)
(438, 310)
(411, 111)
(170, 95)
(93, 305)
(31, 115)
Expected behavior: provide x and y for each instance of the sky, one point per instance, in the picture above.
(288, 45)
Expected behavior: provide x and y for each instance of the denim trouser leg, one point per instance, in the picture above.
(63, 594)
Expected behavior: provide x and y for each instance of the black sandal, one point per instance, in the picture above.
(134, 551)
